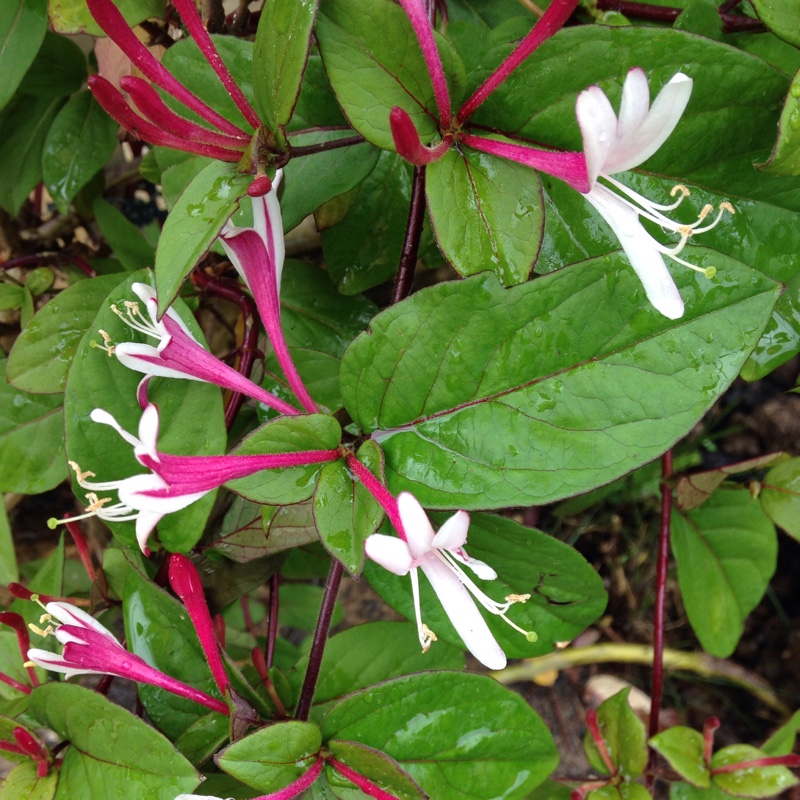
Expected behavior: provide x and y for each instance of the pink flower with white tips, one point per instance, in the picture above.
(615, 144)
(178, 354)
(257, 253)
(440, 555)
(89, 648)
(173, 482)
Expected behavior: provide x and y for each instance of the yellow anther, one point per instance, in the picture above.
(133, 307)
(29, 664)
(45, 618)
(81, 476)
(95, 503)
(707, 209)
(685, 230)
(518, 598)
(679, 188)
(726, 206)
(39, 632)
(429, 637)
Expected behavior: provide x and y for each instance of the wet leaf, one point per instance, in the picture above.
(683, 749)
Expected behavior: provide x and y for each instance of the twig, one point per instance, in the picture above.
(700, 663)
(408, 256)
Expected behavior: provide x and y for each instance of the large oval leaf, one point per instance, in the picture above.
(483, 397)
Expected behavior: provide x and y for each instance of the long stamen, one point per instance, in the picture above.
(425, 634)
(133, 318)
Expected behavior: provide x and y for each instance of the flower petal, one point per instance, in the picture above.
(453, 533)
(416, 524)
(390, 552)
(641, 250)
(635, 104)
(463, 613)
(54, 662)
(68, 614)
(638, 143)
(598, 124)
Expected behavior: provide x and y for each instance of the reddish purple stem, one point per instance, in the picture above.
(20, 687)
(791, 761)
(366, 786)
(108, 17)
(379, 492)
(662, 566)
(553, 19)
(82, 545)
(597, 737)
(194, 24)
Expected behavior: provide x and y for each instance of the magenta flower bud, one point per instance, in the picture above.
(407, 141)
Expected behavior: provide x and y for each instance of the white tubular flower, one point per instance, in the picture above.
(440, 556)
(615, 144)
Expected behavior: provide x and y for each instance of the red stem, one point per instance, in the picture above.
(791, 760)
(320, 638)
(408, 256)
(324, 147)
(710, 726)
(662, 566)
(50, 258)
(272, 623)
(379, 492)
(553, 19)
(366, 786)
(731, 23)
(20, 687)
(594, 732)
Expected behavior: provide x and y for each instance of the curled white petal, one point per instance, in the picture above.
(68, 614)
(417, 526)
(388, 551)
(453, 533)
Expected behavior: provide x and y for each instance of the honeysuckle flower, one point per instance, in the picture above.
(89, 647)
(154, 122)
(615, 144)
(257, 253)
(440, 555)
(178, 354)
(174, 482)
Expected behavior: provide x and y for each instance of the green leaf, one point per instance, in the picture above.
(685, 791)
(316, 106)
(12, 701)
(487, 213)
(43, 352)
(312, 180)
(750, 781)
(364, 249)
(112, 752)
(726, 552)
(286, 435)
(620, 791)
(624, 737)
(78, 144)
(374, 62)
(683, 749)
(700, 150)
(9, 571)
(780, 496)
(203, 738)
(124, 238)
(23, 130)
(318, 324)
(72, 16)
(23, 24)
(97, 381)
(566, 593)
(434, 725)
(11, 296)
(250, 530)
(368, 654)
(281, 51)
(58, 71)
(158, 629)
(39, 280)
(300, 604)
(784, 159)
(781, 743)
(23, 783)
(782, 17)
(31, 439)
(194, 223)
(345, 512)
(375, 766)
(187, 63)
(512, 410)
(273, 757)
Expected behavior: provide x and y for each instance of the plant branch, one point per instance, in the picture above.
(700, 663)
(320, 639)
(56, 259)
(324, 147)
(410, 251)
(731, 23)
(662, 567)
(272, 623)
